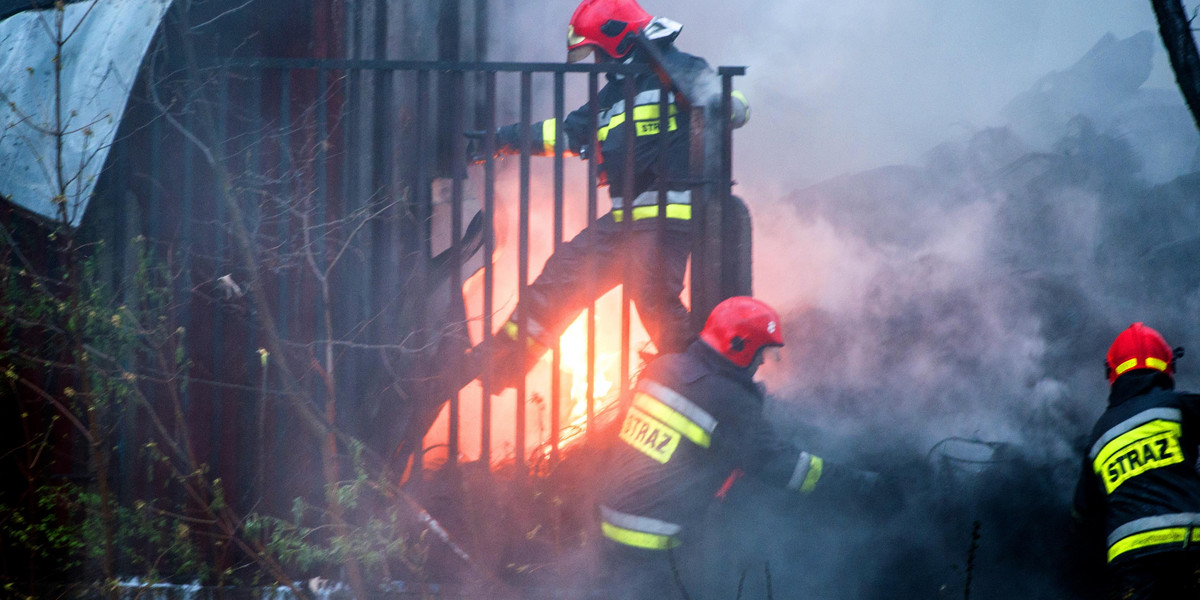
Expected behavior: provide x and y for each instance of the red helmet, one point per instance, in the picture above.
(1138, 347)
(606, 24)
(739, 327)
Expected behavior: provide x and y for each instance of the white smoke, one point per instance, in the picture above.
(944, 270)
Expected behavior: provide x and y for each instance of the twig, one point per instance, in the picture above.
(675, 574)
(767, 570)
(971, 560)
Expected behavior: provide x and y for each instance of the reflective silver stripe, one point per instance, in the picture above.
(1151, 523)
(638, 523)
(680, 404)
(1153, 414)
(803, 464)
(536, 331)
(642, 99)
(650, 198)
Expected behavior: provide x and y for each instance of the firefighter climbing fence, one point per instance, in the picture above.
(367, 163)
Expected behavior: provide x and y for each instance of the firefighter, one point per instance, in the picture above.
(695, 422)
(1139, 483)
(655, 256)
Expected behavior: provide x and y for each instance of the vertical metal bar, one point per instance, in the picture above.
(448, 34)
(283, 191)
(628, 197)
(664, 141)
(523, 261)
(701, 295)
(424, 176)
(489, 275)
(556, 364)
(458, 173)
(129, 222)
(286, 299)
(183, 285)
(352, 305)
(156, 174)
(219, 430)
(376, 126)
(324, 327)
(593, 167)
(714, 211)
(481, 20)
(321, 200)
(255, 491)
(421, 213)
(351, 106)
(726, 136)
(353, 31)
(737, 254)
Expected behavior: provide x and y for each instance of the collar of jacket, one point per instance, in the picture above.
(637, 57)
(715, 363)
(1138, 382)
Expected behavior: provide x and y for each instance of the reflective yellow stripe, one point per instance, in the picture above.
(638, 539)
(1125, 366)
(1123, 441)
(649, 435)
(744, 117)
(673, 419)
(646, 117)
(1145, 447)
(1155, 363)
(549, 131)
(511, 330)
(674, 211)
(1169, 535)
(814, 473)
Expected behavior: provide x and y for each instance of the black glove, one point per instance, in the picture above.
(475, 141)
(506, 143)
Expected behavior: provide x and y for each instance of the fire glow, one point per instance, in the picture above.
(538, 406)
(572, 410)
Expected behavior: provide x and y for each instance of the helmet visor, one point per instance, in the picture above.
(579, 53)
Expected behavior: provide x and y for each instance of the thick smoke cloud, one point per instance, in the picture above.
(957, 206)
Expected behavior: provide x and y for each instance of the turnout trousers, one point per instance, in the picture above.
(1161, 576)
(650, 260)
(638, 574)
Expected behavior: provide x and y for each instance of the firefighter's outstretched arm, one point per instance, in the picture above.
(778, 462)
(543, 135)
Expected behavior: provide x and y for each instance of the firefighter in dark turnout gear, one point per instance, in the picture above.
(657, 253)
(1139, 483)
(694, 419)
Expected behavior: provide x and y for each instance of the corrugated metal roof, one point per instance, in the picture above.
(105, 44)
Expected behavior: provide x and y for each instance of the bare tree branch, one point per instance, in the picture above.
(1176, 31)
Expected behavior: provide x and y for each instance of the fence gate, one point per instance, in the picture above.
(374, 230)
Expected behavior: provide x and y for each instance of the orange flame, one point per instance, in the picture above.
(573, 363)
(573, 423)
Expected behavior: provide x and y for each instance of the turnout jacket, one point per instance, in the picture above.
(1139, 480)
(694, 418)
(612, 129)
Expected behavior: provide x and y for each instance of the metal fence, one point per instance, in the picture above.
(378, 138)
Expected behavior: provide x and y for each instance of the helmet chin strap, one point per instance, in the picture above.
(625, 60)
